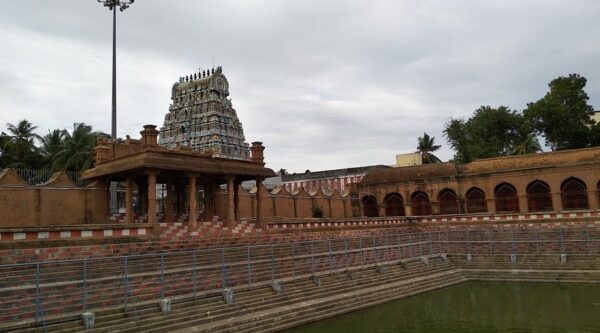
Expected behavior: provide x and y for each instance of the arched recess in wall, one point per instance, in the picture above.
(370, 206)
(448, 201)
(539, 198)
(506, 198)
(574, 194)
(475, 201)
(421, 204)
(394, 205)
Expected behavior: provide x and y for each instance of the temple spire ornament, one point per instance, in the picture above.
(201, 117)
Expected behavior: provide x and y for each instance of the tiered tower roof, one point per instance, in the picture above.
(201, 116)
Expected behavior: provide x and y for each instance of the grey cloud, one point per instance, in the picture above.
(325, 84)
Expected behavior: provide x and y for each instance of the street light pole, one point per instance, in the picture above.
(112, 5)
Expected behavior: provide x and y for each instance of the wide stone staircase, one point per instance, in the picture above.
(260, 309)
(553, 268)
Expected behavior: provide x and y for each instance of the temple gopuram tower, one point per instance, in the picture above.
(201, 117)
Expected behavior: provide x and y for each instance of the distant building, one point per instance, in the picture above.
(201, 116)
(410, 159)
(338, 179)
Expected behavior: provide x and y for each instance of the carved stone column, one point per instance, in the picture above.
(556, 201)
(259, 222)
(129, 200)
(491, 205)
(408, 208)
(169, 202)
(593, 199)
(193, 207)
(230, 202)
(523, 203)
(152, 201)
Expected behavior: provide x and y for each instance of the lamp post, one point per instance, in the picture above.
(112, 5)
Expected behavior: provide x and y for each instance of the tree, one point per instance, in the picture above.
(52, 144)
(490, 132)
(4, 156)
(78, 151)
(563, 116)
(426, 146)
(20, 145)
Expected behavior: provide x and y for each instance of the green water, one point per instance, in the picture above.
(478, 307)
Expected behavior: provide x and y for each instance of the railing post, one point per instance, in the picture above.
(126, 279)
(194, 284)
(38, 302)
(85, 292)
(587, 240)
(387, 248)
(361, 252)
(162, 275)
(430, 244)
(330, 257)
(468, 241)
(447, 241)
(537, 241)
(410, 246)
(562, 241)
(376, 255)
(491, 245)
(249, 258)
(223, 277)
(420, 244)
(272, 263)
(512, 234)
(399, 247)
(346, 250)
(293, 262)
(312, 255)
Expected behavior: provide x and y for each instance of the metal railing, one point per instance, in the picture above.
(38, 292)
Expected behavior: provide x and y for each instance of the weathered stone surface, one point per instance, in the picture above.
(202, 117)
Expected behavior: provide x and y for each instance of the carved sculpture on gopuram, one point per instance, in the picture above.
(201, 117)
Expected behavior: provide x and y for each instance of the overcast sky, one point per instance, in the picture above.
(324, 84)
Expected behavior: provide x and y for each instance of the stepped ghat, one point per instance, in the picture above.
(201, 116)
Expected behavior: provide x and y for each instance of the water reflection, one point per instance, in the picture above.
(478, 307)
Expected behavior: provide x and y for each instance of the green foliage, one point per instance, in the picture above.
(490, 132)
(59, 149)
(563, 116)
(20, 146)
(426, 146)
(52, 144)
(77, 153)
(317, 212)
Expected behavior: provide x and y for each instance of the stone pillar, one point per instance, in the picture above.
(236, 200)
(209, 197)
(593, 199)
(152, 201)
(523, 203)
(169, 201)
(230, 221)
(381, 210)
(129, 200)
(408, 209)
(556, 201)
(435, 207)
(193, 208)
(491, 205)
(259, 222)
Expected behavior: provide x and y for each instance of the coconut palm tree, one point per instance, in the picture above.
(529, 145)
(52, 144)
(426, 146)
(20, 145)
(78, 150)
